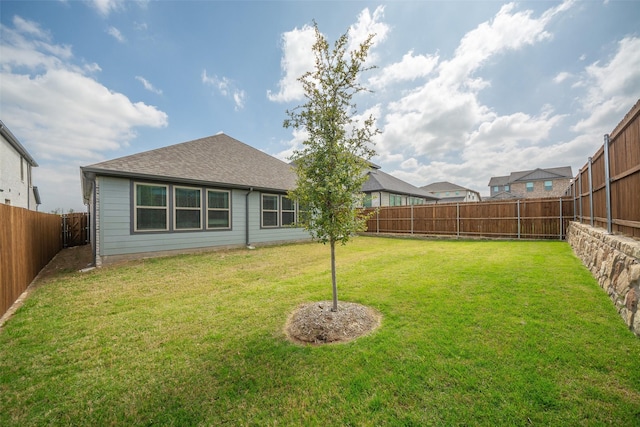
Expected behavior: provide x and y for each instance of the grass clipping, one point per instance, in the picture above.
(315, 323)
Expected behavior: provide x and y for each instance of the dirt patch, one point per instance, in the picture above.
(315, 323)
(68, 260)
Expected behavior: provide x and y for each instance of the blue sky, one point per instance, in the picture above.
(463, 90)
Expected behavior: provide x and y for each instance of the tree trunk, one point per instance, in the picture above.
(333, 275)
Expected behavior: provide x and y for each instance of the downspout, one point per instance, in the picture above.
(92, 224)
(246, 214)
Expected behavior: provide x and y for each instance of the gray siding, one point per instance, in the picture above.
(115, 237)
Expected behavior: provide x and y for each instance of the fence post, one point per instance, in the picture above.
(458, 220)
(518, 203)
(63, 218)
(607, 181)
(580, 193)
(561, 224)
(378, 221)
(590, 192)
(411, 219)
(575, 208)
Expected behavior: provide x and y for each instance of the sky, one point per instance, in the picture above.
(461, 90)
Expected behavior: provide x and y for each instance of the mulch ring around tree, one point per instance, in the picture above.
(315, 323)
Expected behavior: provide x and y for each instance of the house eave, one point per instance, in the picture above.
(6, 133)
(91, 173)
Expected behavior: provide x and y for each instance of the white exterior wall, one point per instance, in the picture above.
(17, 189)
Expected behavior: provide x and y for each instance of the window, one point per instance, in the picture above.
(548, 185)
(368, 201)
(270, 210)
(496, 189)
(187, 208)
(151, 208)
(395, 200)
(416, 201)
(218, 211)
(506, 188)
(529, 186)
(288, 214)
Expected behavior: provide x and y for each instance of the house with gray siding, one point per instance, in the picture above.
(382, 189)
(451, 193)
(213, 192)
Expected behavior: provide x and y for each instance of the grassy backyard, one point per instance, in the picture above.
(473, 333)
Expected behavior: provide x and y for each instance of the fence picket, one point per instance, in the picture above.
(28, 241)
(528, 219)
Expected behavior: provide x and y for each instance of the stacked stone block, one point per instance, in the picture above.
(615, 263)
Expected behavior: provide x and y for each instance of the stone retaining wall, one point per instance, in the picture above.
(615, 263)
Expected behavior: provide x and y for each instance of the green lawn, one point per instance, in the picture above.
(473, 333)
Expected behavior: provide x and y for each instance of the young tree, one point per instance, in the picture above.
(331, 166)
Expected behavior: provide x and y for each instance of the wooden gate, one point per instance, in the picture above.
(75, 229)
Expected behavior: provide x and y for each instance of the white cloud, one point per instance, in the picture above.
(296, 143)
(238, 98)
(26, 45)
(226, 87)
(561, 77)
(105, 7)
(367, 24)
(116, 34)
(437, 127)
(409, 68)
(612, 88)
(60, 112)
(148, 86)
(298, 56)
(440, 130)
(31, 28)
(444, 117)
(297, 59)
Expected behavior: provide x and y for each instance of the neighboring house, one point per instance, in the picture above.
(449, 192)
(16, 185)
(210, 192)
(535, 183)
(382, 189)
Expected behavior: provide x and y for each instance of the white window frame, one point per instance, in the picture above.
(177, 208)
(136, 206)
(550, 187)
(531, 187)
(207, 208)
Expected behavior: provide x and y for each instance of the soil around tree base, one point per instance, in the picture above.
(315, 323)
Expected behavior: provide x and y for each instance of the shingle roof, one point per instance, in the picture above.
(443, 186)
(537, 174)
(498, 180)
(532, 175)
(381, 181)
(214, 160)
(501, 196)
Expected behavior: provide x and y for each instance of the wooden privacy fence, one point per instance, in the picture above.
(607, 188)
(512, 219)
(28, 241)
